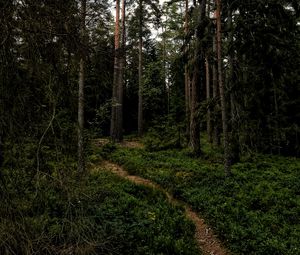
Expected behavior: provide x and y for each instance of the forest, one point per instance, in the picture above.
(150, 127)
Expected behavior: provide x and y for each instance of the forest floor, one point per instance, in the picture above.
(124, 143)
(207, 241)
(255, 212)
(98, 213)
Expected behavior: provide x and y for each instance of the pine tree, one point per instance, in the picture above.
(198, 81)
(140, 71)
(81, 161)
(227, 162)
(116, 78)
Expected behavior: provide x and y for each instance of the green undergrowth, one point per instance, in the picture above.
(100, 214)
(256, 211)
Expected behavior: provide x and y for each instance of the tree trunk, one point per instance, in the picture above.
(81, 160)
(116, 78)
(208, 96)
(216, 133)
(234, 134)
(164, 67)
(197, 83)
(119, 117)
(186, 71)
(227, 162)
(208, 119)
(1, 154)
(140, 104)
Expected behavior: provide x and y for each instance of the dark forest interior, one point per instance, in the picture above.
(199, 97)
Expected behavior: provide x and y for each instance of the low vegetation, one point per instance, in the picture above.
(100, 214)
(256, 211)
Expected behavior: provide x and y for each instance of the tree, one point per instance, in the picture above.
(186, 68)
(208, 89)
(117, 96)
(234, 108)
(227, 162)
(139, 33)
(198, 80)
(121, 77)
(262, 88)
(140, 70)
(216, 133)
(81, 163)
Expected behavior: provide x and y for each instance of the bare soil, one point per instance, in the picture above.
(125, 143)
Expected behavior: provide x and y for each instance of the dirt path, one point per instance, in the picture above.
(125, 143)
(206, 240)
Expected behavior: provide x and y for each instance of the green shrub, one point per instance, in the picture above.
(107, 149)
(99, 214)
(256, 211)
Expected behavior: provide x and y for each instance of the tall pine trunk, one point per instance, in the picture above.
(208, 90)
(81, 160)
(227, 162)
(186, 71)
(120, 88)
(116, 78)
(208, 117)
(234, 134)
(140, 93)
(216, 133)
(197, 83)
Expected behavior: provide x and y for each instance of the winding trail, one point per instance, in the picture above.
(207, 241)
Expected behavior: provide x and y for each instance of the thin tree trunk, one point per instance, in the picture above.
(3, 183)
(140, 95)
(276, 135)
(186, 71)
(216, 133)
(113, 122)
(1, 154)
(234, 134)
(119, 117)
(227, 162)
(197, 83)
(194, 120)
(81, 160)
(208, 119)
(208, 96)
(164, 67)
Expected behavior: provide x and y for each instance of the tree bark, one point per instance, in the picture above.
(81, 159)
(216, 133)
(197, 83)
(208, 119)
(234, 134)
(1, 154)
(208, 96)
(116, 78)
(194, 120)
(140, 93)
(186, 71)
(119, 117)
(227, 162)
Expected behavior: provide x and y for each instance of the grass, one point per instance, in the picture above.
(101, 214)
(256, 211)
